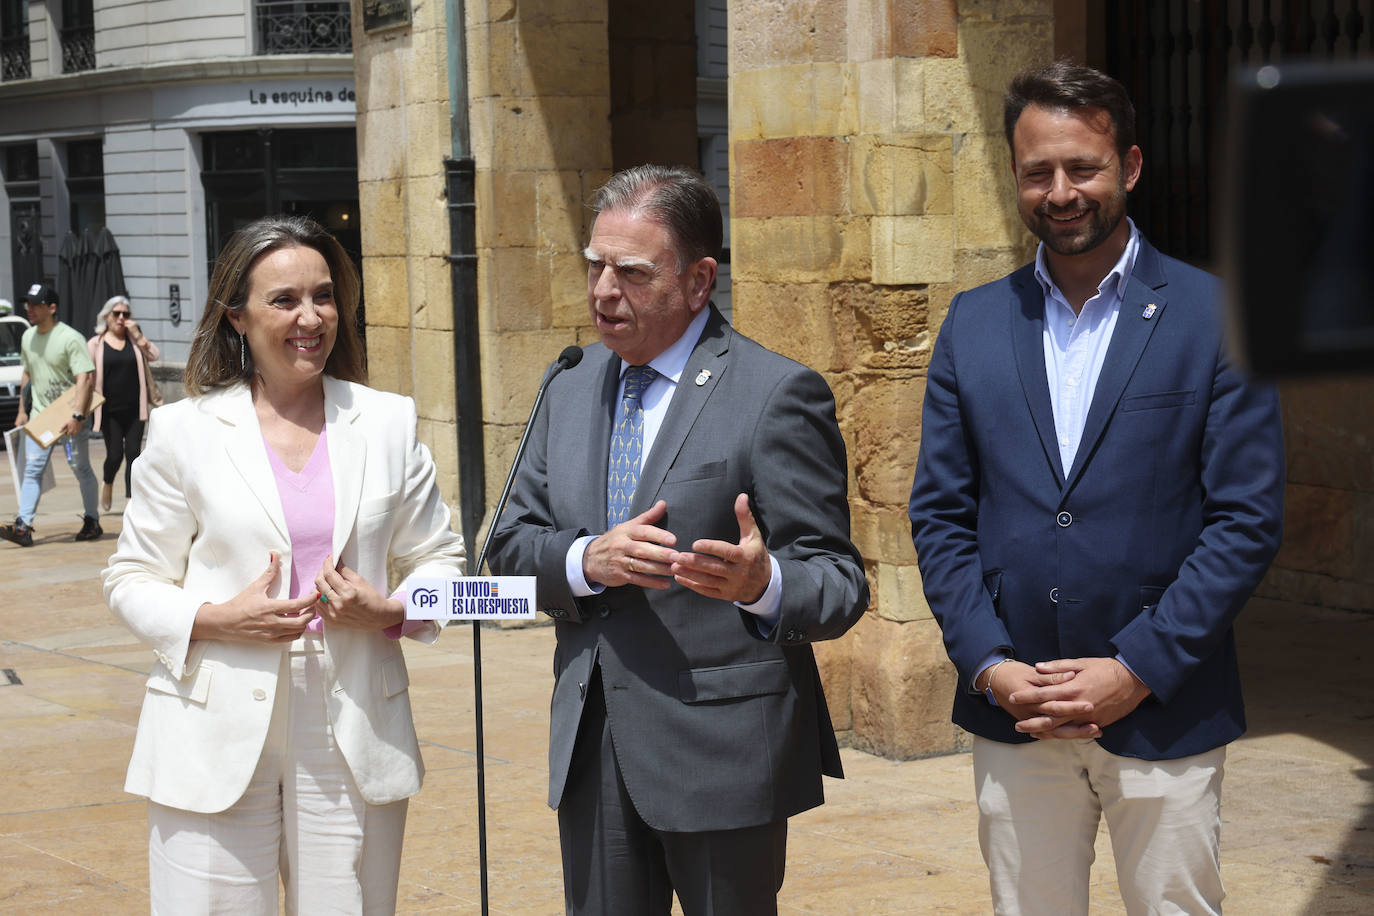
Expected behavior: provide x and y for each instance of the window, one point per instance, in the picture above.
(14, 40)
(86, 184)
(21, 184)
(78, 36)
(296, 27)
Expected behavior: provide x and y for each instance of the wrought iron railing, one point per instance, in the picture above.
(295, 27)
(78, 49)
(1174, 57)
(14, 57)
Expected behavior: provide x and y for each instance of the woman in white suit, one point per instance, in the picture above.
(276, 739)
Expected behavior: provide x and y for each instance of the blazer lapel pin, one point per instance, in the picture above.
(1149, 312)
(703, 377)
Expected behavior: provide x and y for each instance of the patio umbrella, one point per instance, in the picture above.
(74, 266)
(109, 273)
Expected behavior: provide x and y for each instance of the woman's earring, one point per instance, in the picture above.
(243, 353)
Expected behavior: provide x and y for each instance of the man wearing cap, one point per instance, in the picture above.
(55, 358)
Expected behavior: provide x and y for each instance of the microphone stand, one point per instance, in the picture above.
(570, 357)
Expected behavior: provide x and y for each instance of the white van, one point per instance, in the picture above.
(12, 328)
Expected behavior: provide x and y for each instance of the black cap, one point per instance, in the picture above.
(41, 294)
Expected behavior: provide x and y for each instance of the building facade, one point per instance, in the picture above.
(169, 124)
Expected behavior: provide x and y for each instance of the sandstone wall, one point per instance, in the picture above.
(869, 183)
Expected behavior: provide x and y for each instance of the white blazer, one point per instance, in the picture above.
(203, 520)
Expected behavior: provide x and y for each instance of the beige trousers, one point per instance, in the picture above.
(1039, 805)
(301, 820)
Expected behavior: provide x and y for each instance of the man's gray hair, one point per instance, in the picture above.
(677, 198)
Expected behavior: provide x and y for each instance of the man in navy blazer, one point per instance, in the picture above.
(688, 721)
(1098, 493)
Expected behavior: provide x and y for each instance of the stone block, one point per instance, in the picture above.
(567, 288)
(912, 249)
(426, 65)
(887, 435)
(512, 365)
(377, 80)
(797, 320)
(507, 210)
(431, 293)
(902, 174)
(766, 33)
(835, 664)
(516, 290)
(549, 133)
(924, 28)
(799, 249)
(1319, 531)
(386, 292)
(902, 689)
(442, 441)
(431, 355)
(900, 596)
(1328, 427)
(882, 532)
(891, 324)
(389, 359)
(790, 176)
(802, 100)
(427, 224)
(427, 138)
(381, 210)
(380, 157)
(891, 96)
(563, 214)
(985, 194)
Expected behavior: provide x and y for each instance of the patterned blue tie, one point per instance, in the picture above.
(627, 442)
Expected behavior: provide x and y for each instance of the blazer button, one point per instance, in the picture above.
(1054, 595)
(603, 611)
(1064, 519)
(259, 693)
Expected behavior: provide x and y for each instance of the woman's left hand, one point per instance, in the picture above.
(347, 599)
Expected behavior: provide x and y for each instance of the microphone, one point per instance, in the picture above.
(569, 358)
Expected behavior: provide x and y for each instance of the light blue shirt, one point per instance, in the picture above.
(669, 365)
(1076, 345)
(1075, 351)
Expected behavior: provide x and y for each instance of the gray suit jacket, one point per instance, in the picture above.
(715, 726)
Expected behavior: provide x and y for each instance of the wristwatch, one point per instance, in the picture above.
(79, 416)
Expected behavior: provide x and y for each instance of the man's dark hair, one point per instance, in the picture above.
(678, 198)
(1063, 85)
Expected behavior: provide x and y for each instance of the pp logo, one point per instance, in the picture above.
(425, 597)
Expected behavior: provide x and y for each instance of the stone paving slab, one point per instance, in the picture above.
(894, 838)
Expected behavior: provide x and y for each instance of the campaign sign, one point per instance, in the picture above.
(471, 598)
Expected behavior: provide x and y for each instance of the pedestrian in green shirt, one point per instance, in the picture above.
(55, 358)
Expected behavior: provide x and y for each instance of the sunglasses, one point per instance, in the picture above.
(121, 314)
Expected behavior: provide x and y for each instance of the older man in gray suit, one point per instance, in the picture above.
(683, 505)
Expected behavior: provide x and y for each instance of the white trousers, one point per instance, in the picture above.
(301, 819)
(1039, 805)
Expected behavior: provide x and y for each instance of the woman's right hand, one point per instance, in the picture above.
(253, 616)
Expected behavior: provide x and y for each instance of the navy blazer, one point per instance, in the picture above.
(1150, 546)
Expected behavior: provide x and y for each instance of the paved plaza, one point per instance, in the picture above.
(895, 837)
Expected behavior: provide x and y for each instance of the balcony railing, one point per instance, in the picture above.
(78, 49)
(14, 57)
(294, 27)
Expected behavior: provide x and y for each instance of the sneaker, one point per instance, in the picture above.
(90, 529)
(19, 533)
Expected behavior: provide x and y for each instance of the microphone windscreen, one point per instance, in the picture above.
(570, 356)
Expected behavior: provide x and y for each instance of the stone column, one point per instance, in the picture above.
(870, 182)
(540, 113)
(403, 138)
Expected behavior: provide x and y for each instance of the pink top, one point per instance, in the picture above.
(307, 500)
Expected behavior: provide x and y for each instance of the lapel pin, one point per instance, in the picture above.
(1149, 312)
(703, 377)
